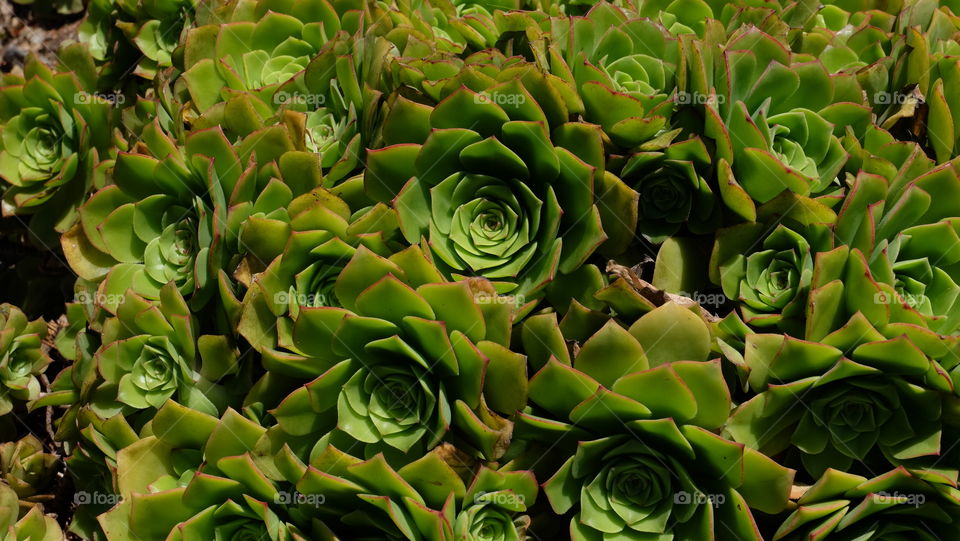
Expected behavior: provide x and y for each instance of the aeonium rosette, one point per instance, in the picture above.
(139, 36)
(55, 130)
(635, 419)
(33, 524)
(908, 246)
(23, 358)
(235, 64)
(405, 364)
(210, 482)
(338, 97)
(430, 496)
(420, 29)
(898, 504)
(771, 127)
(482, 182)
(698, 19)
(173, 213)
(309, 245)
(673, 189)
(155, 28)
(28, 469)
(330, 103)
(624, 67)
(858, 42)
(768, 264)
(147, 362)
(843, 401)
(151, 351)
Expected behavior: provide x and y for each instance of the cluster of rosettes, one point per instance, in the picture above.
(485, 270)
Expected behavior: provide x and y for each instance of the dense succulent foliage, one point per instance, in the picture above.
(492, 270)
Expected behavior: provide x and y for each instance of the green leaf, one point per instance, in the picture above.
(140, 464)
(558, 388)
(542, 339)
(672, 333)
(505, 385)
(388, 169)
(407, 122)
(766, 484)
(392, 300)
(610, 354)
(662, 390)
(467, 109)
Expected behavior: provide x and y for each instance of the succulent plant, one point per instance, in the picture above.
(23, 358)
(268, 43)
(318, 241)
(491, 205)
(382, 270)
(395, 368)
(853, 42)
(335, 101)
(34, 525)
(640, 415)
(173, 214)
(768, 265)
(625, 70)
(142, 34)
(151, 352)
(175, 223)
(55, 129)
(421, 29)
(27, 468)
(843, 400)
(210, 483)
(900, 249)
(426, 499)
(774, 134)
(844, 506)
(673, 189)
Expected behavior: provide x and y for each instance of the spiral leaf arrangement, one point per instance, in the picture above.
(466, 270)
